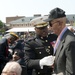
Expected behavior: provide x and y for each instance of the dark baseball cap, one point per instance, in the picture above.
(55, 13)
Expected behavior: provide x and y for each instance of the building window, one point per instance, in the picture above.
(23, 20)
(30, 19)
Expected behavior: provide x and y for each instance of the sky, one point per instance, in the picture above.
(11, 8)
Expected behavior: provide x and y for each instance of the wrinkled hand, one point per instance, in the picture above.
(47, 61)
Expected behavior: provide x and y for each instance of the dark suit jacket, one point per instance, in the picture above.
(65, 55)
(3, 50)
(3, 53)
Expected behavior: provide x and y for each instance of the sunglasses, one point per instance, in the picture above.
(53, 23)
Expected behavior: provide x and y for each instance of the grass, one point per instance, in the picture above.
(0, 37)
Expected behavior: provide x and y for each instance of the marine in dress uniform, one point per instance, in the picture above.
(4, 43)
(39, 47)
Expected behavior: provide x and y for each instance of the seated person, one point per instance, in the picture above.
(18, 56)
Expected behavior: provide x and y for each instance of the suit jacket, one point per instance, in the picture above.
(3, 53)
(65, 55)
(3, 50)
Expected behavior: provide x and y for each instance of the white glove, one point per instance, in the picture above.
(47, 61)
(61, 73)
(58, 74)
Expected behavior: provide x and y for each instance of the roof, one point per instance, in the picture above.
(22, 20)
(27, 29)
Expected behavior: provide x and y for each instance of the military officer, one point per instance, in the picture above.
(4, 43)
(39, 47)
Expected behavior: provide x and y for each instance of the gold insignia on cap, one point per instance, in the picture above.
(12, 33)
(41, 25)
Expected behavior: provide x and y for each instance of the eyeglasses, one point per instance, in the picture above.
(53, 23)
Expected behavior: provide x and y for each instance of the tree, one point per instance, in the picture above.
(2, 27)
(1, 24)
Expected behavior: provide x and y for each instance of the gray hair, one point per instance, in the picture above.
(13, 67)
(7, 36)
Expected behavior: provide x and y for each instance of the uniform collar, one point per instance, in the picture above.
(42, 38)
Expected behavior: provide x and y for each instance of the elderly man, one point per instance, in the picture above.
(12, 68)
(64, 49)
(4, 43)
(39, 49)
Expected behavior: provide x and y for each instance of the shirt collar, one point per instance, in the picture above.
(62, 33)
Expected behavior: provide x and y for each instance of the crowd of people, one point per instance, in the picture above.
(47, 53)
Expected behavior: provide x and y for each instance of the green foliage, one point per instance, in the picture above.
(1, 24)
(2, 27)
(74, 23)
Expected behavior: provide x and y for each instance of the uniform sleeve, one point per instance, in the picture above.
(30, 56)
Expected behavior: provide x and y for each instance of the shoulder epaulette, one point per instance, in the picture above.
(30, 39)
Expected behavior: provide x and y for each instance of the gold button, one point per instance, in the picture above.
(48, 46)
(41, 37)
(46, 40)
(39, 52)
(38, 72)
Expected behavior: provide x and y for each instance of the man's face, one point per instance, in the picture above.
(42, 31)
(56, 27)
(12, 40)
(16, 56)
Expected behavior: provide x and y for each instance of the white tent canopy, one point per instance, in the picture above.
(26, 29)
